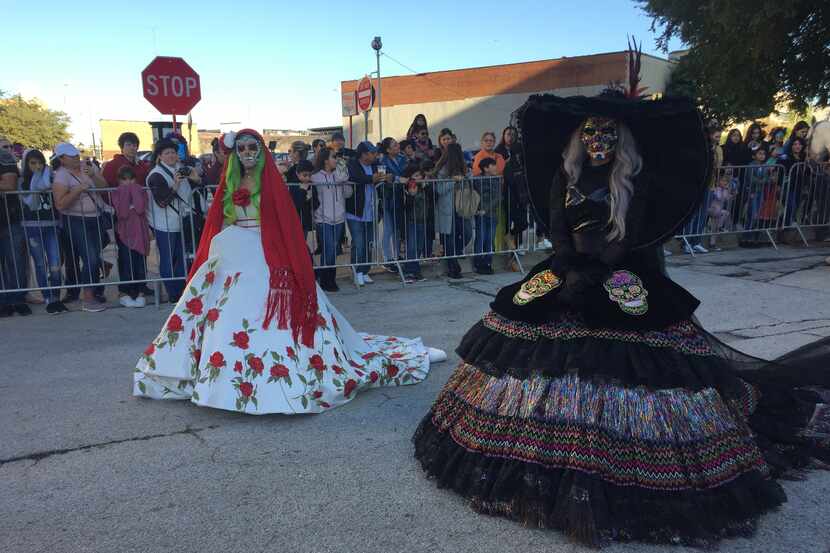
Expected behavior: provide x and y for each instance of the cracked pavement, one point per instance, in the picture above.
(84, 467)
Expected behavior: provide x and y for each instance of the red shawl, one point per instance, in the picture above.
(293, 293)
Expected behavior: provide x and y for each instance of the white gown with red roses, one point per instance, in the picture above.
(214, 351)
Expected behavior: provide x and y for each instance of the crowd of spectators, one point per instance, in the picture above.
(55, 222)
(753, 188)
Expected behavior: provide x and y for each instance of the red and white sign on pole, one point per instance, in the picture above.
(365, 94)
(171, 85)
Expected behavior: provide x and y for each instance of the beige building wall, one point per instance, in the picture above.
(467, 118)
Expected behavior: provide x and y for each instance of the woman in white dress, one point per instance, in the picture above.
(253, 332)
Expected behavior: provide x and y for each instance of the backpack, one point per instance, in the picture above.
(467, 201)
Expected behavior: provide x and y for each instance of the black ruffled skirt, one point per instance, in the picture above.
(656, 434)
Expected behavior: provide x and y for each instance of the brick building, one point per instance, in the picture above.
(470, 101)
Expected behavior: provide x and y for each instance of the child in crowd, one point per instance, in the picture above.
(133, 235)
(486, 218)
(720, 207)
(415, 206)
(761, 178)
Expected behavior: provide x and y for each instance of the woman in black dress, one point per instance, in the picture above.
(589, 399)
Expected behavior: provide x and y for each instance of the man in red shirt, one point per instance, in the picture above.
(128, 142)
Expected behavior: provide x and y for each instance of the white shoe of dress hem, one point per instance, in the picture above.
(436, 355)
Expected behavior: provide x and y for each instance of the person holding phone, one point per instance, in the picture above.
(170, 213)
(80, 206)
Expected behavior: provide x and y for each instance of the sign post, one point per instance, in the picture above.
(171, 86)
(365, 99)
(349, 103)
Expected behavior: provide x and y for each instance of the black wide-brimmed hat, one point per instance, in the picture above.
(670, 136)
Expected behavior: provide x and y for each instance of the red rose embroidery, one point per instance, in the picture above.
(217, 359)
(317, 363)
(213, 315)
(396, 355)
(289, 351)
(256, 364)
(317, 394)
(240, 339)
(197, 355)
(209, 277)
(370, 355)
(242, 197)
(228, 282)
(337, 369)
(349, 387)
(174, 324)
(279, 371)
(246, 389)
(237, 367)
(391, 371)
(151, 349)
(355, 365)
(194, 306)
(373, 376)
(324, 405)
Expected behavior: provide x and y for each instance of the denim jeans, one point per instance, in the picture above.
(171, 262)
(44, 247)
(454, 243)
(131, 266)
(416, 247)
(85, 245)
(13, 264)
(485, 233)
(329, 237)
(362, 242)
(392, 216)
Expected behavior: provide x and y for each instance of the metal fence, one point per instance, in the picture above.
(403, 225)
(755, 202)
(400, 225)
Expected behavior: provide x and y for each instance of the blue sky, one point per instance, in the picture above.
(278, 64)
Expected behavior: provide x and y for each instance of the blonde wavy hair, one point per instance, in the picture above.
(627, 164)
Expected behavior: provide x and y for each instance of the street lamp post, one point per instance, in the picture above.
(376, 46)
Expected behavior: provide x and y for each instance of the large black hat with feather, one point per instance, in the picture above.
(671, 138)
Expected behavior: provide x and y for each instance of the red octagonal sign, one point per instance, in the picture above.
(171, 85)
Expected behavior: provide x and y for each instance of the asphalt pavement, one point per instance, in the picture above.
(85, 467)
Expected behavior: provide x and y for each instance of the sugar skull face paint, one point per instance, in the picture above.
(599, 135)
(627, 290)
(248, 150)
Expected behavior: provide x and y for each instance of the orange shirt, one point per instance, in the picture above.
(493, 155)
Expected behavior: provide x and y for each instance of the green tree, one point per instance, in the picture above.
(30, 123)
(746, 57)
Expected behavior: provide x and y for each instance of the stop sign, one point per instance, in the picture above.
(171, 85)
(365, 94)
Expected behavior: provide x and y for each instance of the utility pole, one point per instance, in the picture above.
(376, 46)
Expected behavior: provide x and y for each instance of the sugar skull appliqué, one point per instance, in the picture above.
(536, 287)
(626, 289)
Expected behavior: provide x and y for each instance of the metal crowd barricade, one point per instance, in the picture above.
(50, 251)
(749, 200)
(808, 197)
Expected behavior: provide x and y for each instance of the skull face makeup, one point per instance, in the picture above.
(626, 289)
(248, 149)
(599, 135)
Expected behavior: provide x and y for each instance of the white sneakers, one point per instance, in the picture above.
(360, 279)
(697, 248)
(127, 301)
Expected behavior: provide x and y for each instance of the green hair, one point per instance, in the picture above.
(233, 176)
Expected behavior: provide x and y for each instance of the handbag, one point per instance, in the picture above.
(467, 201)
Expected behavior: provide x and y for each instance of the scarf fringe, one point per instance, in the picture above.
(302, 315)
